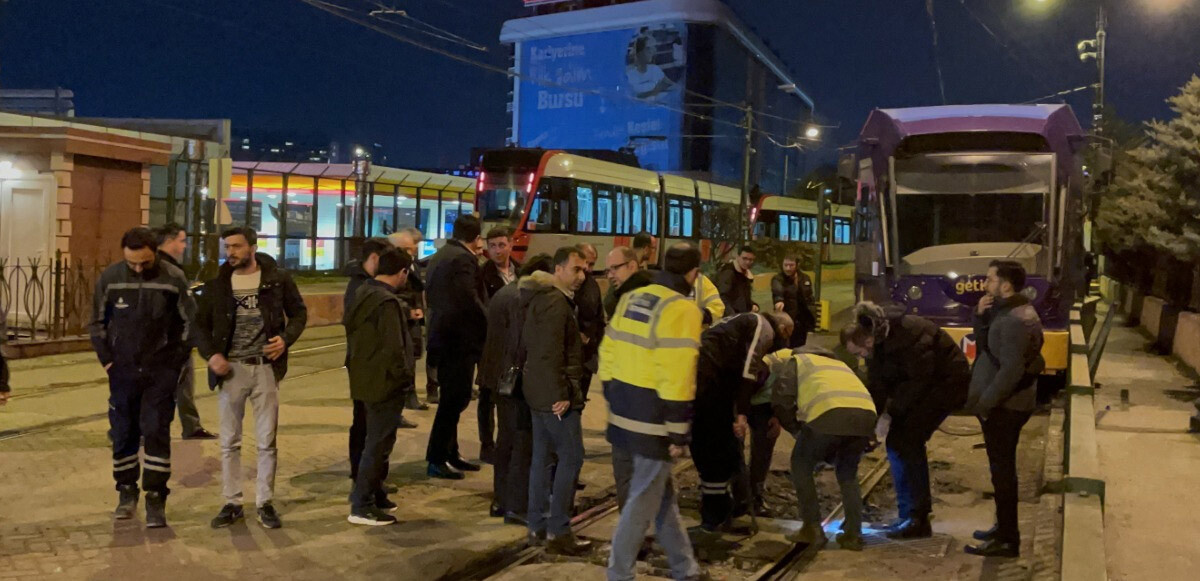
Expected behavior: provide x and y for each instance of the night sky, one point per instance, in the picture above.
(283, 65)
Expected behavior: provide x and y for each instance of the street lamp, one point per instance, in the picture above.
(812, 132)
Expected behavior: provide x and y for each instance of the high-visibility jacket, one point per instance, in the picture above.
(704, 292)
(648, 369)
(827, 395)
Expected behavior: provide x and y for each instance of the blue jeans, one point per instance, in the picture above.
(564, 437)
(651, 498)
(910, 474)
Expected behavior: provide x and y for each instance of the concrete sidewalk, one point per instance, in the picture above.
(1149, 462)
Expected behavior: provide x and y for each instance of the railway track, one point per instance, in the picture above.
(42, 428)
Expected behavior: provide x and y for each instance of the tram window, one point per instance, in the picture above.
(795, 228)
(540, 218)
(604, 213)
(784, 227)
(841, 231)
(674, 216)
(688, 217)
(651, 214)
(637, 214)
(810, 229)
(562, 212)
(584, 211)
(623, 213)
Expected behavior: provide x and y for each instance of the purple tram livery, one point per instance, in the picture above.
(944, 191)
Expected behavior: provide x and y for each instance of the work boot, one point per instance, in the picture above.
(913, 528)
(986, 535)
(994, 548)
(568, 545)
(849, 542)
(127, 502)
(808, 535)
(156, 510)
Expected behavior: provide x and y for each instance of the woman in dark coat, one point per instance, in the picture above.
(918, 376)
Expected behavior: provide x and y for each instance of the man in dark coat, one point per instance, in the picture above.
(381, 365)
(735, 282)
(514, 438)
(917, 376)
(457, 330)
(551, 379)
(589, 306)
(498, 270)
(413, 295)
(792, 293)
(1003, 393)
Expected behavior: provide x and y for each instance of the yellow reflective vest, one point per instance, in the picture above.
(704, 292)
(829, 397)
(648, 368)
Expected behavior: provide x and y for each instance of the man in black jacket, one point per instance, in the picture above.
(249, 316)
(498, 270)
(413, 295)
(141, 330)
(917, 375)
(457, 330)
(551, 384)
(514, 438)
(792, 293)
(381, 365)
(172, 243)
(589, 306)
(735, 283)
(363, 272)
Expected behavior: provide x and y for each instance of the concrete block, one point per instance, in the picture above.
(144, 200)
(62, 162)
(324, 309)
(63, 178)
(64, 211)
(64, 227)
(63, 245)
(1151, 314)
(1187, 339)
(66, 196)
(145, 217)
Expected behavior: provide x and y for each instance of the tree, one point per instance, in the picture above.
(1153, 203)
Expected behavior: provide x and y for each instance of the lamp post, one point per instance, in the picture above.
(1094, 48)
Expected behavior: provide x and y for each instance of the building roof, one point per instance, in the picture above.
(635, 14)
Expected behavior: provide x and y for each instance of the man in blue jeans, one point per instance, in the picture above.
(648, 365)
(552, 350)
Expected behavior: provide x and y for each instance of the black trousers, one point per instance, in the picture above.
(486, 411)
(141, 405)
(381, 420)
(1001, 432)
(455, 378)
(717, 454)
(514, 453)
(762, 446)
(358, 439)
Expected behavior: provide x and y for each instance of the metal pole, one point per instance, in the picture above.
(1101, 37)
(821, 229)
(749, 150)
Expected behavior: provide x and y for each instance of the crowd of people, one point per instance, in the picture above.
(686, 364)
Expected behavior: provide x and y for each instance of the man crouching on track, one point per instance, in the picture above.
(648, 369)
(382, 368)
(820, 401)
(729, 371)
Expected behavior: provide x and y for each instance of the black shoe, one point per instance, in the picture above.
(512, 518)
(371, 516)
(569, 545)
(156, 510)
(431, 398)
(268, 517)
(913, 528)
(443, 470)
(487, 455)
(229, 514)
(895, 524)
(463, 465)
(126, 503)
(496, 511)
(200, 434)
(850, 542)
(384, 504)
(579, 485)
(391, 488)
(986, 535)
(994, 548)
(406, 424)
(536, 539)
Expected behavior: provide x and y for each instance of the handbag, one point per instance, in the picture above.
(506, 385)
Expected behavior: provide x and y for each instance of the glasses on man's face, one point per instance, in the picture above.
(615, 268)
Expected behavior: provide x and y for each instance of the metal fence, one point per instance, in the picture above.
(43, 299)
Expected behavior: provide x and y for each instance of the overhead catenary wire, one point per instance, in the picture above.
(1009, 50)
(1061, 94)
(937, 59)
(385, 12)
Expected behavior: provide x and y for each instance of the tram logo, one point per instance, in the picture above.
(970, 285)
(968, 346)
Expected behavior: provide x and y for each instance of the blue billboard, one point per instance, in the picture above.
(606, 90)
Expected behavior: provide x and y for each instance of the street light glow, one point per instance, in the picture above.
(812, 132)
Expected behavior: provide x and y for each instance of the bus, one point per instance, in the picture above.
(551, 198)
(944, 191)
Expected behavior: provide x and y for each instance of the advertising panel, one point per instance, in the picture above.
(607, 90)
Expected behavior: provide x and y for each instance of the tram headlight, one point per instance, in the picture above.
(914, 293)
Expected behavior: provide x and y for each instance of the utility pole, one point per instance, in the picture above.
(1095, 49)
(822, 231)
(743, 212)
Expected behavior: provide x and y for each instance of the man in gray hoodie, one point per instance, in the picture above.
(1008, 338)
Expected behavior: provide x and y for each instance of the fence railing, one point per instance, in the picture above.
(45, 299)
